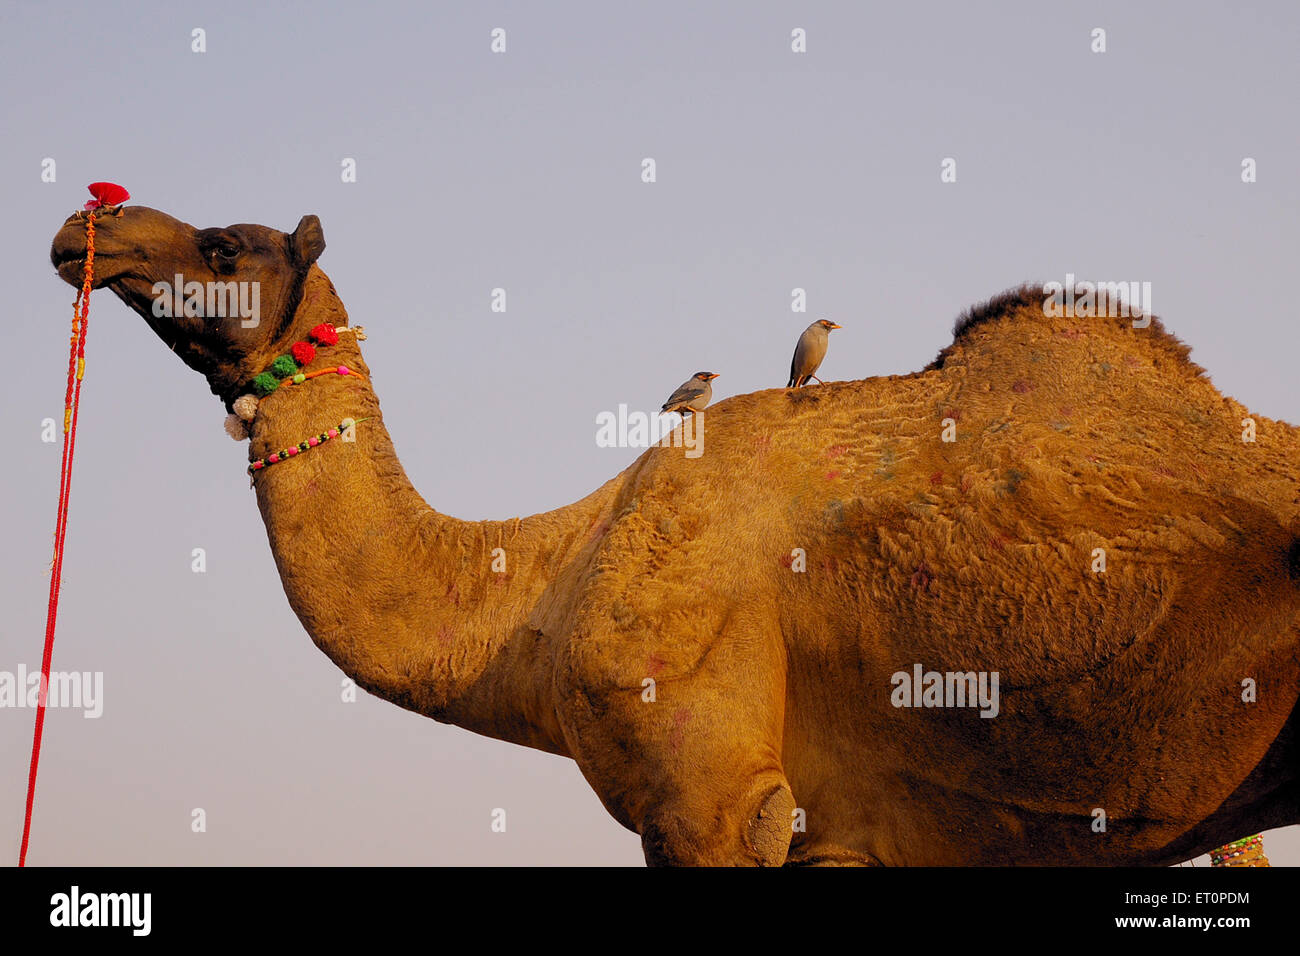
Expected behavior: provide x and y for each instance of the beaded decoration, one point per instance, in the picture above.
(1245, 852)
(294, 450)
(286, 370)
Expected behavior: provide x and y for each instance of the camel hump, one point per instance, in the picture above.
(1049, 313)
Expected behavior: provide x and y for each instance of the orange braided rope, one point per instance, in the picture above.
(308, 376)
(71, 407)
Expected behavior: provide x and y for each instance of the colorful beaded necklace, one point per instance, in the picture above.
(1245, 852)
(293, 450)
(287, 370)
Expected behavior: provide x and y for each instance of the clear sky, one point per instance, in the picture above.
(522, 170)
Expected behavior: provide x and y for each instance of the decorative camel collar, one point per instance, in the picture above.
(285, 371)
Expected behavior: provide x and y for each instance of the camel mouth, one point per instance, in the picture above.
(68, 255)
(124, 236)
(71, 267)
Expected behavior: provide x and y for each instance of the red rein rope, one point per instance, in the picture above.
(71, 406)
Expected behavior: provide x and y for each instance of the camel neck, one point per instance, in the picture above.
(432, 613)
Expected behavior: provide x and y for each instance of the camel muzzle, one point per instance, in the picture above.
(68, 251)
(133, 235)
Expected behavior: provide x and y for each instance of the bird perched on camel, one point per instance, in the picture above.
(1067, 503)
(693, 395)
(809, 352)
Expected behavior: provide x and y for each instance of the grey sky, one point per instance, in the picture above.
(522, 171)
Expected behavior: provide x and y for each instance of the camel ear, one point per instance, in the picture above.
(307, 241)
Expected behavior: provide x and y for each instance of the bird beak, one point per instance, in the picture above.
(713, 376)
(834, 326)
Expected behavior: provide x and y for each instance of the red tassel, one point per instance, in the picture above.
(325, 334)
(106, 194)
(304, 352)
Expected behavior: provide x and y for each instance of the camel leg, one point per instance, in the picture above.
(691, 765)
(694, 802)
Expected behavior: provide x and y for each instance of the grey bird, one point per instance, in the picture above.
(693, 395)
(810, 351)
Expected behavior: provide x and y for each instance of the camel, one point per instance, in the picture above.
(1065, 503)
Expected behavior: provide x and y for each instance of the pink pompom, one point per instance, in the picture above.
(273, 459)
(344, 370)
(293, 451)
(313, 442)
(333, 433)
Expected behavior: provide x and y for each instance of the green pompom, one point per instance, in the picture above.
(284, 366)
(266, 383)
(299, 378)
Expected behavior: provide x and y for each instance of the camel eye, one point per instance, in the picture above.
(226, 250)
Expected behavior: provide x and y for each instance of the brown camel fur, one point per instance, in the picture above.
(1121, 691)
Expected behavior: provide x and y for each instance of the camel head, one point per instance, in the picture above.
(223, 299)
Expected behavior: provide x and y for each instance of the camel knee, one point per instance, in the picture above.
(754, 830)
(769, 829)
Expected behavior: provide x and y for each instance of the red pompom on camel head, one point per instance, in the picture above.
(106, 194)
